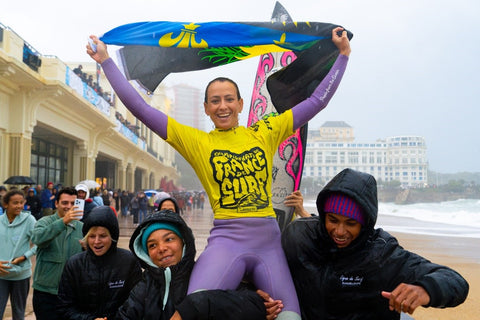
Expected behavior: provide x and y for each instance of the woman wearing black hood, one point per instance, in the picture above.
(167, 203)
(344, 268)
(96, 282)
(165, 247)
(33, 203)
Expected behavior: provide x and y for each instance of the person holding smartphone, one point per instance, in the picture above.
(58, 238)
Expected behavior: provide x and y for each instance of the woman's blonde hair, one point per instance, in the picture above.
(93, 229)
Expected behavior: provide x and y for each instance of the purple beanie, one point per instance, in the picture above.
(341, 204)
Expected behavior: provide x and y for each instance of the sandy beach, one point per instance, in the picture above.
(461, 254)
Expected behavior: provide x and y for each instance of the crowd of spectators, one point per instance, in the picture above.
(88, 79)
(133, 127)
(120, 200)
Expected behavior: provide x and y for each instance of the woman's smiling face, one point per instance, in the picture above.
(15, 205)
(223, 104)
(99, 240)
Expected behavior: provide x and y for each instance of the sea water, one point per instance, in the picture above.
(460, 218)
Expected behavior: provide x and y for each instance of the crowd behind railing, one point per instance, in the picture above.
(88, 79)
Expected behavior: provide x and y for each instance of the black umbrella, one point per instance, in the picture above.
(19, 180)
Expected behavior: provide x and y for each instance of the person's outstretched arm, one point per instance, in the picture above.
(423, 283)
(154, 119)
(307, 109)
(441, 288)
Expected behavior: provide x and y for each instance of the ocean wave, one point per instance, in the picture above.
(464, 212)
(459, 218)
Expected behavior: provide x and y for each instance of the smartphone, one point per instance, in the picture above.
(92, 45)
(80, 204)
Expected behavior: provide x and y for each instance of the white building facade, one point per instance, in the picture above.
(399, 158)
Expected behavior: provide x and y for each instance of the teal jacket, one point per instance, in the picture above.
(15, 240)
(56, 243)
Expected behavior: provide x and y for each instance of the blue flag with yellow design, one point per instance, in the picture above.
(152, 50)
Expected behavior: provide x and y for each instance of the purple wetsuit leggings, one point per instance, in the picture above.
(245, 247)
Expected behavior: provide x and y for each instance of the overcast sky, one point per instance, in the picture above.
(414, 67)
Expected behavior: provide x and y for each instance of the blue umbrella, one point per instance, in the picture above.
(150, 193)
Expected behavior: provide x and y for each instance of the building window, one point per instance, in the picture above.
(309, 157)
(319, 157)
(331, 157)
(364, 157)
(353, 157)
(48, 162)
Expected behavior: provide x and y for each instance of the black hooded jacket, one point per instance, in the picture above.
(158, 203)
(34, 205)
(96, 286)
(346, 283)
(147, 298)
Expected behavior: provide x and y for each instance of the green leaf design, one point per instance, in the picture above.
(223, 55)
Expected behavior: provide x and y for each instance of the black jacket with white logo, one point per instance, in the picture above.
(346, 283)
